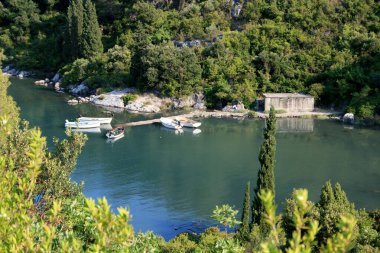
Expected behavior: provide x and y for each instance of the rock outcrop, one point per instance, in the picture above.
(56, 78)
(8, 70)
(348, 118)
(79, 90)
(237, 106)
(111, 99)
(195, 100)
(148, 102)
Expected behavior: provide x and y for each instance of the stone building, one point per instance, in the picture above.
(290, 102)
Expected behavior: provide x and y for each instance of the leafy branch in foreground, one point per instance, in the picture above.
(226, 216)
(304, 236)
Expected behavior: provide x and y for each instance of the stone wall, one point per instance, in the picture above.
(290, 104)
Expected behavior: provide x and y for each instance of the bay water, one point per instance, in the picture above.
(171, 182)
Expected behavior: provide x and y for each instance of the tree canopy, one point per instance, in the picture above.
(230, 50)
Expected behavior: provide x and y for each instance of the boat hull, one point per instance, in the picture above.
(169, 123)
(185, 122)
(100, 120)
(115, 136)
(115, 133)
(82, 125)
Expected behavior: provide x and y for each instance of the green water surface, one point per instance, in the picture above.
(171, 182)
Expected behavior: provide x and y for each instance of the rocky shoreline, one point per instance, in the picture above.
(152, 102)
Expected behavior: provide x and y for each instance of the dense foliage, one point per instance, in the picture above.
(230, 50)
(41, 210)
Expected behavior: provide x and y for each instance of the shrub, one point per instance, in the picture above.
(252, 114)
(75, 72)
(316, 90)
(366, 110)
(179, 244)
(128, 98)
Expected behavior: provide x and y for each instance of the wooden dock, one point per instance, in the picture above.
(152, 121)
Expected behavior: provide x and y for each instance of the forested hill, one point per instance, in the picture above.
(229, 49)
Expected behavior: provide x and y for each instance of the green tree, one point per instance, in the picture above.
(174, 71)
(226, 216)
(9, 112)
(74, 29)
(265, 177)
(91, 41)
(333, 203)
(243, 231)
(305, 228)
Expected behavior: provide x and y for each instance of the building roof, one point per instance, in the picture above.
(286, 95)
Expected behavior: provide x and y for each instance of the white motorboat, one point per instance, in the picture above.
(115, 133)
(100, 120)
(185, 122)
(82, 124)
(170, 123)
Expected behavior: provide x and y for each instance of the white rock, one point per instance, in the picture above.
(141, 106)
(57, 85)
(39, 82)
(108, 100)
(349, 118)
(235, 107)
(73, 101)
(200, 106)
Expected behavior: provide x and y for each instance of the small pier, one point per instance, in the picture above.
(236, 115)
(152, 121)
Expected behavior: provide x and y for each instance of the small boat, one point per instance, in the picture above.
(185, 122)
(115, 133)
(82, 124)
(114, 140)
(170, 123)
(100, 120)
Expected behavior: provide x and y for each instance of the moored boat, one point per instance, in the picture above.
(170, 123)
(92, 119)
(185, 122)
(81, 124)
(87, 130)
(115, 133)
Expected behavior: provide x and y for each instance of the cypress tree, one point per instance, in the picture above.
(332, 205)
(244, 227)
(92, 36)
(74, 28)
(265, 177)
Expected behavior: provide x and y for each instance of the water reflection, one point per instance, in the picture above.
(87, 130)
(295, 125)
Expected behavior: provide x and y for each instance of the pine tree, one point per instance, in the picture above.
(265, 177)
(244, 227)
(92, 36)
(74, 29)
